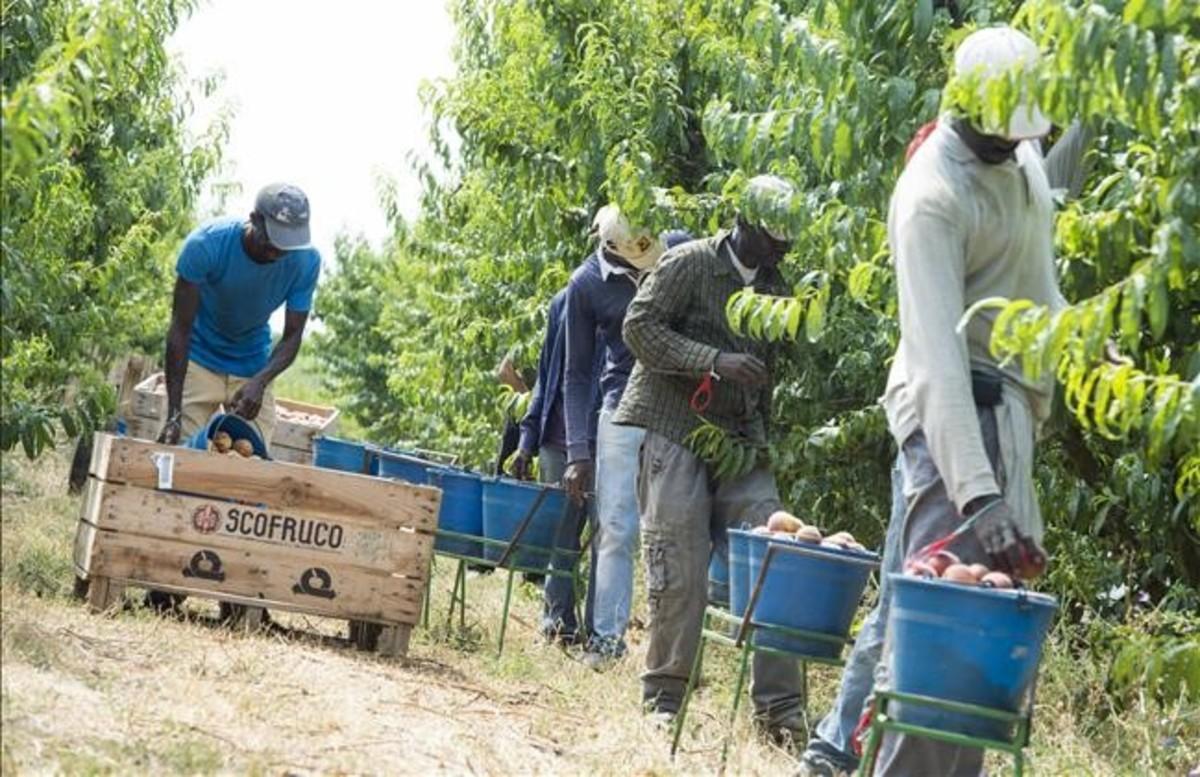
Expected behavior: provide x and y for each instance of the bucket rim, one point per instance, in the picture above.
(1015, 595)
(869, 557)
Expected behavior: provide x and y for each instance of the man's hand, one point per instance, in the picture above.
(578, 480)
(1008, 549)
(741, 368)
(521, 465)
(247, 400)
(171, 430)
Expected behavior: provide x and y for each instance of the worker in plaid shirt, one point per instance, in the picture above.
(676, 327)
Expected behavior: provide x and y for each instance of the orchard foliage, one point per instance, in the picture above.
(99, 183)
(670, 106)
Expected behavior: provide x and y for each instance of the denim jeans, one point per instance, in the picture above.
(616, 541)
(832, 738)
(558, 613)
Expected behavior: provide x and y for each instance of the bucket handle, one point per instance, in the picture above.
(521, 527)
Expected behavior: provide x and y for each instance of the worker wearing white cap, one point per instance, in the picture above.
(971, 217)
(598, 293)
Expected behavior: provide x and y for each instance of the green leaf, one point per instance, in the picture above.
(843, 146)
(814, 320)
(1132, 299)
(795, 312)
(1158, 307)
(922, 20)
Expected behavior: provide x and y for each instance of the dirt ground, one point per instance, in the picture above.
(134, 692)
(137, 693)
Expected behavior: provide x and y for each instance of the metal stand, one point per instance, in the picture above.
(719, 625)
(882, 722)
(458, 594)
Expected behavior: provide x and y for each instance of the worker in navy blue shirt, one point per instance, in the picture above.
(598, 293)
(232, 274)
(544, 435)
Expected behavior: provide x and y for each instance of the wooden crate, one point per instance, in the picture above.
(149, 399)
(297, 423)
(256, 533)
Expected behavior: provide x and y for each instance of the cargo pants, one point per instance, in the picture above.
(680, 502)
(205, 392)
(928, 515)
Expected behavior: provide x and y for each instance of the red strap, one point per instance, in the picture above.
(922, 134)
(864, 724)
(702, 397)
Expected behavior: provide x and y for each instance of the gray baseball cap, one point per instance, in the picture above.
(285, 210)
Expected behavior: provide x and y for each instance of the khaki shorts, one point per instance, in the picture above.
(205, 392)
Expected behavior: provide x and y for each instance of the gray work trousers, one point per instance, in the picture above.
(929, 514)
(680, 502)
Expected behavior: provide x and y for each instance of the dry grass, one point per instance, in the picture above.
(135, 693)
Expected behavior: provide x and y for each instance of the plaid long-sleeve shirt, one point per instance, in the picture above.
(676, 326)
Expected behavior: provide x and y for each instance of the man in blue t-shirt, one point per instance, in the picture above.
(232, 275)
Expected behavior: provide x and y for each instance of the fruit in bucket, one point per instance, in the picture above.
(244, 448)
(222, 442)
(941, 561)
(783, 521)
(959, 573)
(979, 570)
(920, 569)
(808, 534)
(996, 580)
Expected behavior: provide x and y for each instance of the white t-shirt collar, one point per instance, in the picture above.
(748, 273)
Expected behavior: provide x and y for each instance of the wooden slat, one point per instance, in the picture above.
(143, 428)
(85, 530)
(280, 485)
(352, 539)
(291, 455)
(256, 578)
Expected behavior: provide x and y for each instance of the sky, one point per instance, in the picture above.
(324, 96)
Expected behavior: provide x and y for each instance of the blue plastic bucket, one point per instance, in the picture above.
(814, 588)
(235, 426)
(403, 466)
(718, 579)
(967, 644)
(739, 571)
(461, 511)
(346, 455)
(505, 504)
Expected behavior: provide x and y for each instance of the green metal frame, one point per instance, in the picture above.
(721, 636)
(882, 722)
(458, 594)
(745, 631)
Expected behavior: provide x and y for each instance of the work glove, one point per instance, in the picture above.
(521, 465)
(1009, 550)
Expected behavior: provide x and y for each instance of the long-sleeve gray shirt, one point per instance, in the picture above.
(960, 231)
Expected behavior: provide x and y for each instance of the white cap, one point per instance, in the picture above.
(995, 51)
(770, 187)
(641, 250)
